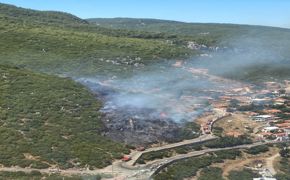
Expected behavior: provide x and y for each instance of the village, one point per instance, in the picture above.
(261, 113)
(267, 106)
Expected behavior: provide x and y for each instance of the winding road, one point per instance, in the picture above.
(129, 171)
(137, 154)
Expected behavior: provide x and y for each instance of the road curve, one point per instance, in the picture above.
(136, 155)
(133, 172)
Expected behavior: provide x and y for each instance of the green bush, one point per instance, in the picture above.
(257, 149)
(245, 174)
(189, 167)
(211, 173)
(228, 141)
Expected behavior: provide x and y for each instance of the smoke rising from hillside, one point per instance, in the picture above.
(180, 90)
(178, 93)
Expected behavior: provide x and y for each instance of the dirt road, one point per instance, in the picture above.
(270, 163)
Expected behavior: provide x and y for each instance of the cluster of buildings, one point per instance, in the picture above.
(262, 105)
(278, 130)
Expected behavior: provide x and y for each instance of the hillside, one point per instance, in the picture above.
(149, 81)
(48, 121)
(43, 17)
(60, 43)
(231, 35)
(248, 53)
(213, 30)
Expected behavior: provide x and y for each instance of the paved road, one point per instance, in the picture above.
(219, 114)
(126, 171)
(136, 155)
(156, 165)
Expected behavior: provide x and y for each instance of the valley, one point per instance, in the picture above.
(144, 99)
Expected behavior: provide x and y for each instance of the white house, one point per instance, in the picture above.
(269, 129)
(262, 118)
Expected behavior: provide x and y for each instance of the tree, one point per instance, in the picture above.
(284, 152)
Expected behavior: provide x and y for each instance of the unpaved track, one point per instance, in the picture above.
(270, 163)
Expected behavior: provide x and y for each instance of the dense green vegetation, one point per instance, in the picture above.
(36, 175)
(228, 141)
(245, 174)
(211, 173)
(150, 156)
(189, 167)
(284, 163)
(217, 131)
(261, 72)
(61, 43)
(222, 142)
(209, 33)
(257, 149)
(241, 60)
(53, 119)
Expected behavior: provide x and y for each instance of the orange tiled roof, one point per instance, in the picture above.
(265, 133)
(283, 125)
(280, 134)
(272, 111)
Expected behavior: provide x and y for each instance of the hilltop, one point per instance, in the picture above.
(217, 31)
(43, 17)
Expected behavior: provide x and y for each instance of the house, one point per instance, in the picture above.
(279, 100)
(264, 178)
(262, 118)
(272, 111)
(265, 134)
(261, 101)
(282, 136)
(287, 129)
(283, 125)
(269, 129)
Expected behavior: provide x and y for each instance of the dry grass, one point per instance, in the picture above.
(246, 160)
(237, 123)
